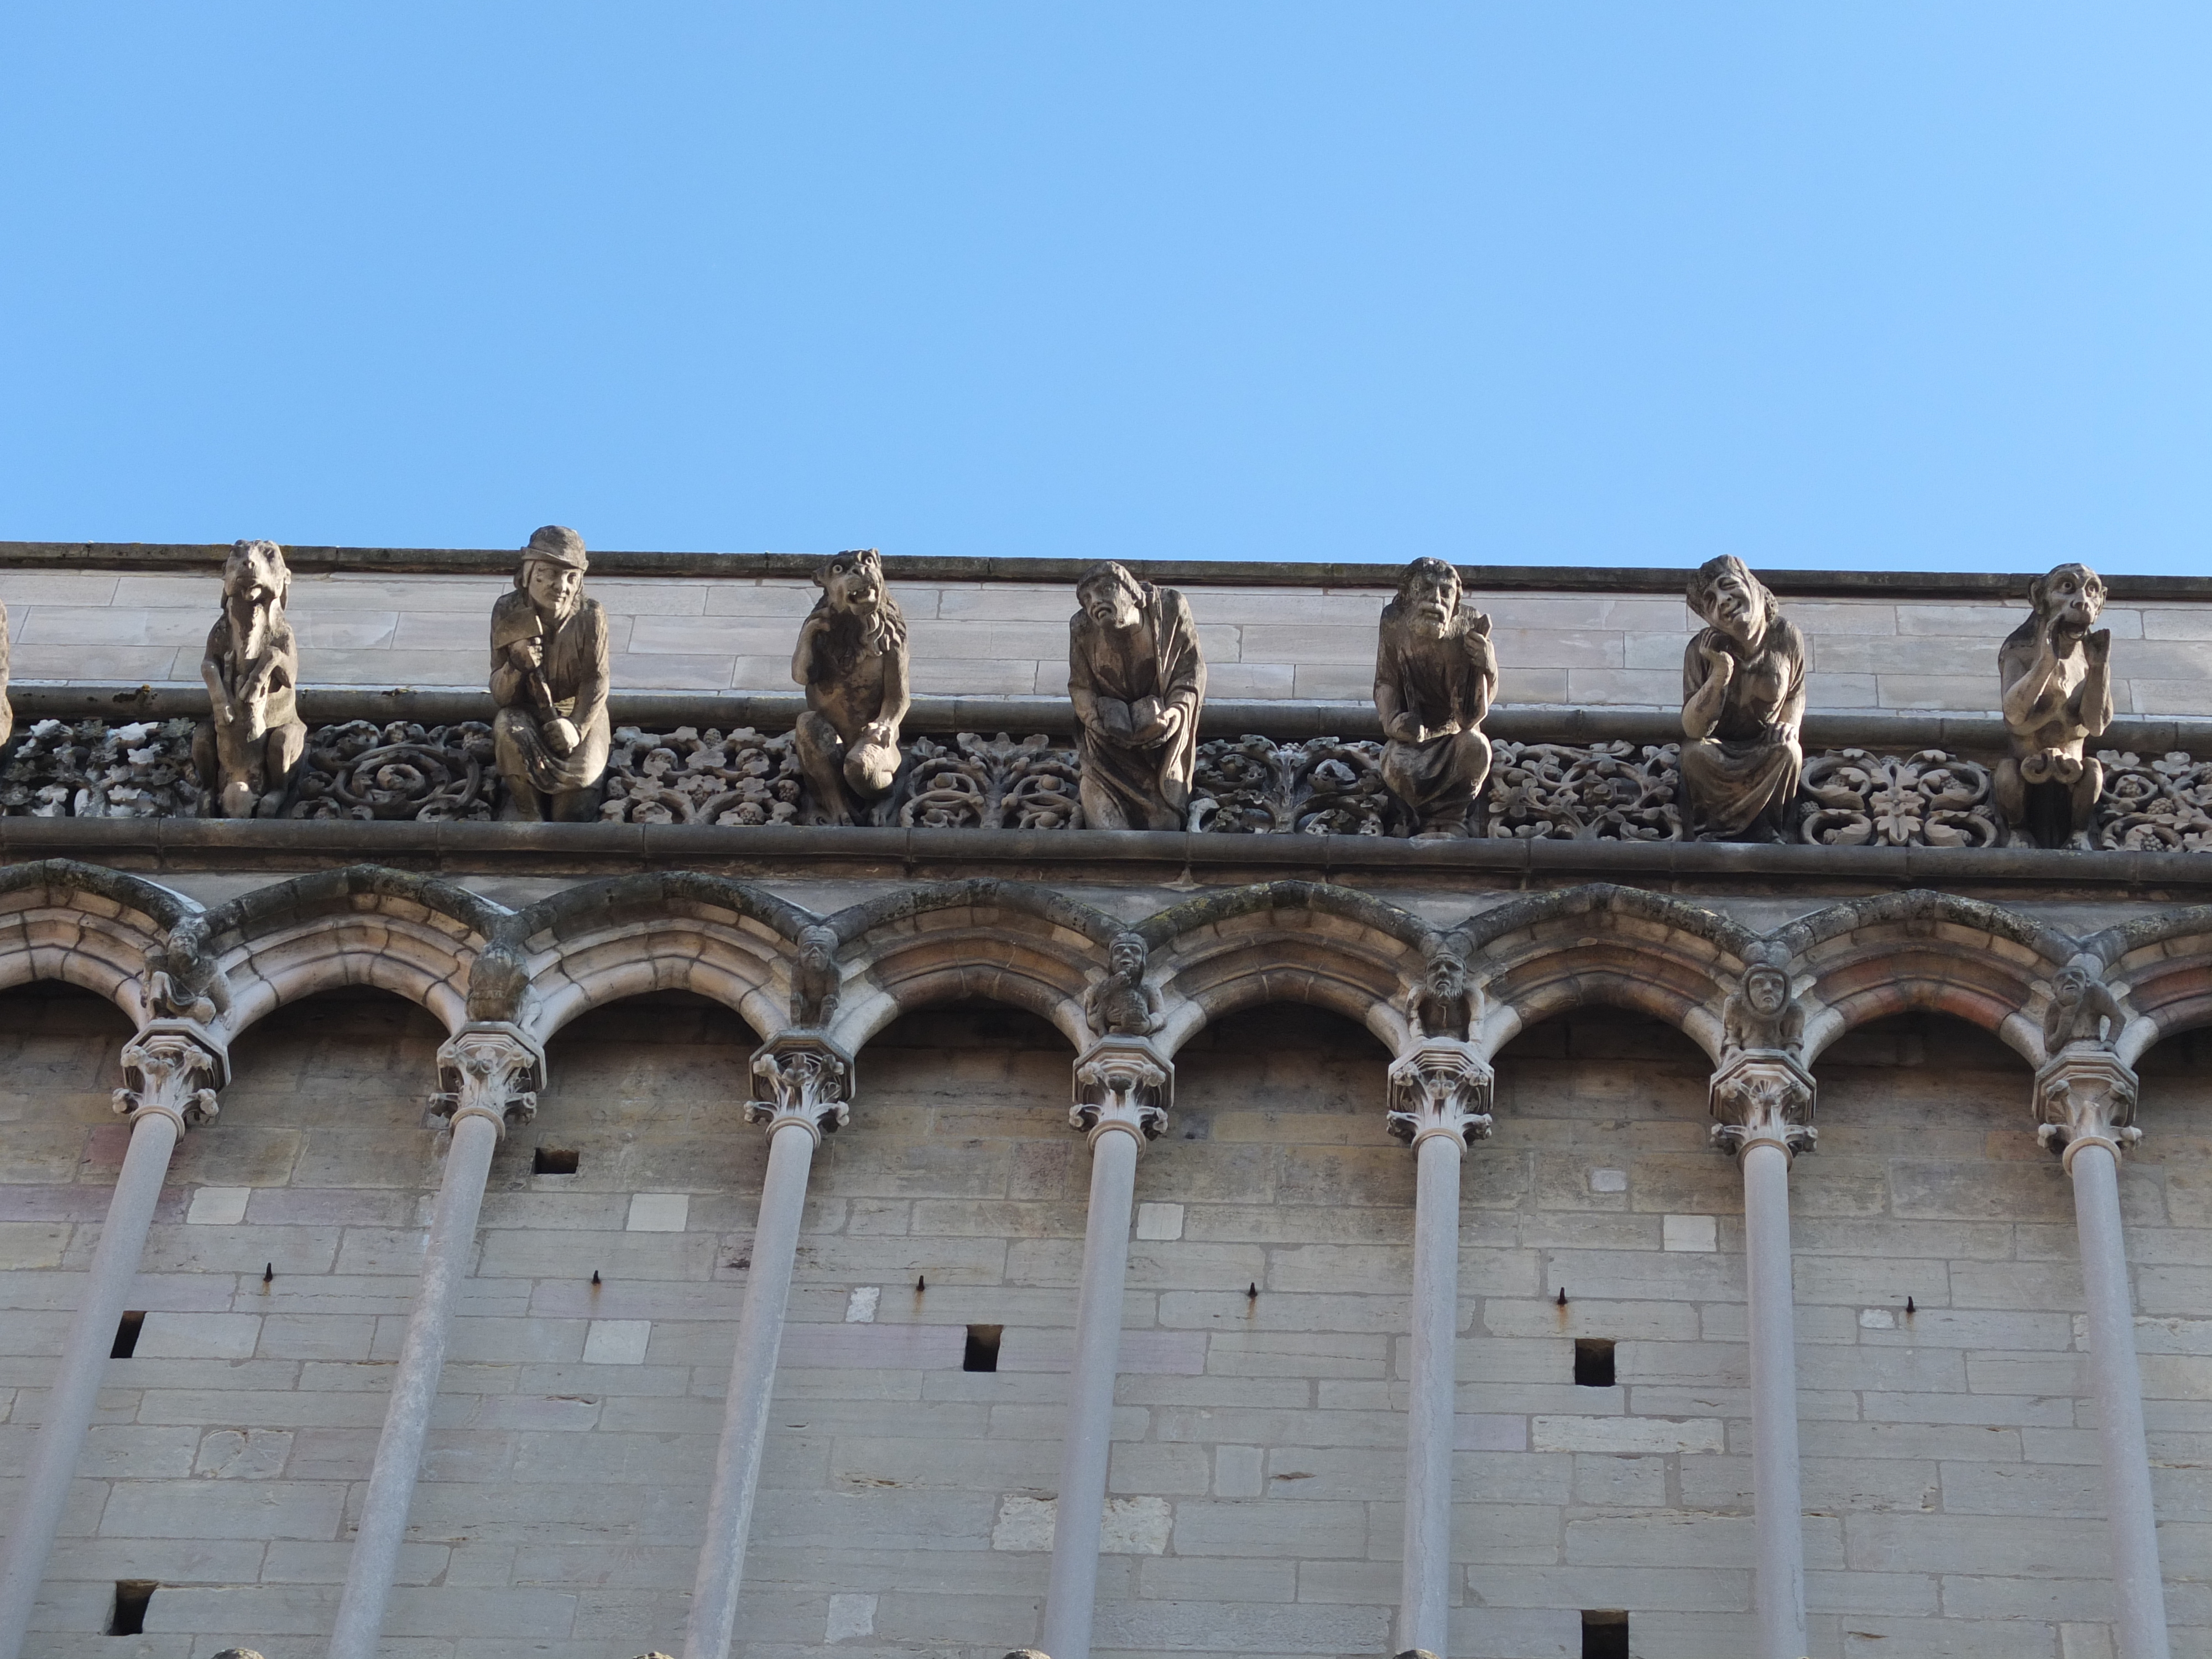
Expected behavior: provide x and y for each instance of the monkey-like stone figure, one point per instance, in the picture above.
(852, 658)
(1435, 674)
(2082, 1010)
(248, 747)
(1760, 1013)
(1137, 680)
(2055, 672)
(1122, 1004)
(1743, 701)
(1443, 1005)
(814, 981)
(549, 675)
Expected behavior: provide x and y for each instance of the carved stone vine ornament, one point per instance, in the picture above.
(1440, 1087)
(802, 1077)
(172, 1068)
(1122, 1083)
(490, 1069)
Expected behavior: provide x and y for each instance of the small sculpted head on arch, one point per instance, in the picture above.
(1122, 1004)
(815, 979)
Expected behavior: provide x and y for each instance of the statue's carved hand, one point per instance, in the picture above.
(1720, 664)
(2097, 648)
(527, 654)
(560, 735)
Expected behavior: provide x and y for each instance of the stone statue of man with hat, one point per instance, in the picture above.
(549, 676)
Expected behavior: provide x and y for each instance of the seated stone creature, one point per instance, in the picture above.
(248, 747)
(852, 658)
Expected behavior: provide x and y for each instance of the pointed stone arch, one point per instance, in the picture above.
(1287, 941)
(86, 926)
(1623, 947)
(1014, 942)
(600, 942)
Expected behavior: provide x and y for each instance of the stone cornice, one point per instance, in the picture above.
(195, 558)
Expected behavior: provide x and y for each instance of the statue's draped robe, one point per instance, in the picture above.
(1127, 786)
(575, 669)
(1748, 764)
(1447, 688)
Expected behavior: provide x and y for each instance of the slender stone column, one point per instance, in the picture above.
(2085, 1096)
(1440, 1096)
(490, 1071)
(1122, 1087)
(1764, 1098)
(167, 1066)
(808, 1081)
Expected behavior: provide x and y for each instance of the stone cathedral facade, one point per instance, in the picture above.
(580, 1105)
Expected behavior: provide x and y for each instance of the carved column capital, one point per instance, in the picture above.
(1440, 1087)
(2085, 1095)
(172, 1069)
(801, 1077)
(1764, 1097)
(1122, 1083)
(488, 1069)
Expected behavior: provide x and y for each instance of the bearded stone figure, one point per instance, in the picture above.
(1743, 701)
(852, 658)
(1137, 680)
(1435, 674)
(1122, 1004)
(2082, 1010)
(1444, 1004)
(249, 746)
(2055, 671)
(549, 676)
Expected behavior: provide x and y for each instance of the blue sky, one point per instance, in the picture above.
(1902, 287)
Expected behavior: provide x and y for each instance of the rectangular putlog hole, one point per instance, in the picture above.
(126, 1334)
(1604, 1633)
(553, 1160)
(982, 1352)
(1594, 1370)
(132, 1597)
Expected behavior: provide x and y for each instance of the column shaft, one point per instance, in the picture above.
(1425, 1600)
(414, 1389)
(752, 1384)
(1779, 1497)
(76, 1391)
(2138, 1588)
(1073, 1593)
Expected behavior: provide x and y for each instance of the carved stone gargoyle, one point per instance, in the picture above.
(2054, 673)
(249, 747)
(852, 658)
(2084, 1091)
(1743, 701)
(1122, 1004)
(1435, 674)
(1761, 1092)
(1137, 679)
(815, 979)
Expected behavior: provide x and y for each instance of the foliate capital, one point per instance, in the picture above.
(1764, 1097)
(1440, 1087)
(2085, 1095)
(801, 1077)
(488, 1069)
(1122, 1082)
(172, 1069)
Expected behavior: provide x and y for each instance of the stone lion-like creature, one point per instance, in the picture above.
(2055, 671)
(248, 748)
(852, 658)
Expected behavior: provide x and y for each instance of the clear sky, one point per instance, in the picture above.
(1919, 286)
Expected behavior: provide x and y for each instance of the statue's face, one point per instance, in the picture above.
(854, 582)
(1110, 601)
(1128, 956)
(1445, 979)
(1732, 605)
(2075, 594)
(553, 588)
(255, 573)
(1431, 601)
(1767, 991)
(2072, 985)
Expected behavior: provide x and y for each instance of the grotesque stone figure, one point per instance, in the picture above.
(250, 747)
(499, 980)
(1137, 680)
(2057, 677)
(1743, 700)
(1443, 1004)
(814, 982)
(2082, 1010)
(1435, 674)
(7, 713)
(549, 676)
(852, 660)
(1760, 1013)
(182, 981)
(1122, 1004)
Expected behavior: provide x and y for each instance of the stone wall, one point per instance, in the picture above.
(1009, 638)
(1951, 1471)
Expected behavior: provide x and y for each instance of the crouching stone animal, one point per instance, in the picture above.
(248, 748)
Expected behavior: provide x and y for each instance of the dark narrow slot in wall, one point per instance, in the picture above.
(1605, 1634)
(553, 1160)
(983, 1354)
(131, 1596)
(126, 1334)
(1594, 1364)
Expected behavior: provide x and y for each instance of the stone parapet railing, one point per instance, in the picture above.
(1617, 789)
